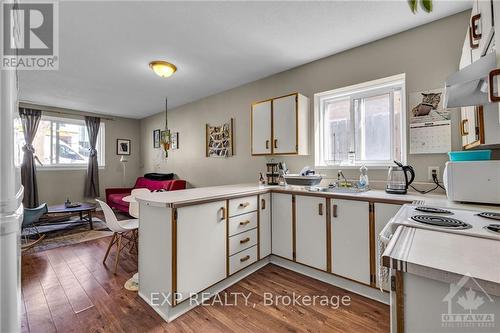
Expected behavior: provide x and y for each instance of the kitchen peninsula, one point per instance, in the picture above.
(197, 242)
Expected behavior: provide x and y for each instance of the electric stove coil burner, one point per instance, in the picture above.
(493, 228)
(433, 210)
(441, 221)
(490, 215)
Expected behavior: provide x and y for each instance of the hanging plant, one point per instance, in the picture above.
(425, 4)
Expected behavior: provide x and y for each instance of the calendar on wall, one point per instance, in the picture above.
(430, 124)
(430, 138)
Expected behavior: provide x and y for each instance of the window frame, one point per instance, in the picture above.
(101, 143)
(353, 92)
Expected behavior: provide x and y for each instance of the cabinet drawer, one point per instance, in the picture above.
(242, 241)
(242, 223)
(242, 259)
(242, 205)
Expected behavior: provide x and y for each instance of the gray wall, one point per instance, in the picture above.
(54, 186)
(427, 54)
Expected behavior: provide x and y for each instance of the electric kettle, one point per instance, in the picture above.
(397, 178)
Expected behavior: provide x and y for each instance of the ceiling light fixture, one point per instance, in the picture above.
(162, 68)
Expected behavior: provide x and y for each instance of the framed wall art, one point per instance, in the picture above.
(122, 147)
(219, 140)
(156, 138)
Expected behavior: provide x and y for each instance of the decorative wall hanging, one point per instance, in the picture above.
(430, 123)
(156, 138)
(174, 140)
(165, 135)
(219, 140)
(122, 147)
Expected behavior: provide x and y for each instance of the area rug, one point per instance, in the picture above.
(68, 233)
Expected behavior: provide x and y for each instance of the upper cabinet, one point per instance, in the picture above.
(280, 126)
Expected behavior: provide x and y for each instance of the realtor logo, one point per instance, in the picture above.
(30, 35)
(468, 307)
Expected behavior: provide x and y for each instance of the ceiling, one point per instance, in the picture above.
(105, 47)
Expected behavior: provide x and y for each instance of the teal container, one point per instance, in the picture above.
(470, 155)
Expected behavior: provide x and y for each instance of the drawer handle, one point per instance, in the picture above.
(491, 93)
(475, 25)
(223, 213)
(334, 211)
(245, 258)
(244, 204)
(263, 204)
(320, 209)
(246, 240)
(244, 223)
(463, 131)
(267, 144)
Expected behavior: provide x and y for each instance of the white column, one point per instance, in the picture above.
(11, 209)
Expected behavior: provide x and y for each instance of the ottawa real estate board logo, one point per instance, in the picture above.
(30, 35)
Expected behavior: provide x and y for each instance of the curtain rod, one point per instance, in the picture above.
(58, 110)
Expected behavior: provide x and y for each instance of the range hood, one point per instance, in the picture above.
(469, 86)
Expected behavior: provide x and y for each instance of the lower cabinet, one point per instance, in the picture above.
(383, 214)
(311, 231)
(282, 234)
(201, 247)
(265, 224)
(350, 235)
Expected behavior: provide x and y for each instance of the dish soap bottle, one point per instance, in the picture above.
(363, 177)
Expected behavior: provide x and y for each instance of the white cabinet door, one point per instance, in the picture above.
(311, 231)
(285, 125)
(351, 240)
(466, 58)
(484, 7)
(265, 224)
(282, 236)
(201, 247)
(496, 16)
(261, 128)
(383, 214)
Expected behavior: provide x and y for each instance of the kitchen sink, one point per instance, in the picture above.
(329, 189)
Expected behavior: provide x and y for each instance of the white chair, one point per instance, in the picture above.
(133, 208)
(120, 230)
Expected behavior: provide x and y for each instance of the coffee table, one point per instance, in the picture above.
(84, 208)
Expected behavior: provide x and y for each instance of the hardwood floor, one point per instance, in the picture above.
(68, 289)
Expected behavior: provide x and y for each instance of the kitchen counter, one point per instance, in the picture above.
(181, 198)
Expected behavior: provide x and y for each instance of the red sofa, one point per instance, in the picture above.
(114, 196)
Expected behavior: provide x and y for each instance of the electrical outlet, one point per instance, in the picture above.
(432, 170)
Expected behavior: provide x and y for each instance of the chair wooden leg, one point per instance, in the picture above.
(118, 250)
(109, 247)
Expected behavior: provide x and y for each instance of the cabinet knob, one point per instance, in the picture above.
(244, 204)
(245, 258)
(267, 144)
(275, 143)
(320, 209)
(244, 223)
(334, 210)
(472, 44)
(246, 240)
(263, 204)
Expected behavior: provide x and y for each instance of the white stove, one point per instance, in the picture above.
(466, 222)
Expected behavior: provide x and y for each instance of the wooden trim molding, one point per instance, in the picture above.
(294, 229)
(227, 239)
(371, 226)
(174, 257)
(328, 236)
(400, 302)
(258, 226)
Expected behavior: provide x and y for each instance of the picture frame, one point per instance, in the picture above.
(219, 140)
(123, 146)
(174, 144)
(156, 138)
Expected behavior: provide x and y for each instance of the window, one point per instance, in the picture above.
(361, 124)
(59, 143)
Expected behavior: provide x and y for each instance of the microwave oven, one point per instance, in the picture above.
(473, 181)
